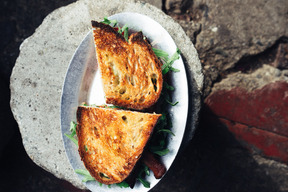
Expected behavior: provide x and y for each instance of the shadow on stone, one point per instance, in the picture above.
(250, 63)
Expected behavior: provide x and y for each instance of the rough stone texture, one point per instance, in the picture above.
(269, 144)
(156, 3)
(226, 31)
(251, 81)
(254, 108)
(39, 72)
(265, 108)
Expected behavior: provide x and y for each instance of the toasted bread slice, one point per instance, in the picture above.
(131, 72)
(111, 141)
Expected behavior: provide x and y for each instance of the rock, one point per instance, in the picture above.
(254, 108)
(281, 60)
(256, 80)
(156, 3)
(228, 34)
(231, 30)
(37, 78)
(266, 143)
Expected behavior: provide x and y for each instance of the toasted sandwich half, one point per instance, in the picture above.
(131, 72)
(111, 141)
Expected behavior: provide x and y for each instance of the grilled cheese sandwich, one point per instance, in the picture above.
(111, 141)
(131, 72)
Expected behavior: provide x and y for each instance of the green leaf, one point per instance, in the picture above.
(172, 104)
(162, 143)
(157, 147)
(108, 22)
(86, 179)
(168, 87)
(167, 66)
(144, 182)
(165, 69)
(175, 56)
(146, 170)
(125, 30)
(123, 184)
(86, 174)
(113, 107)
(82, 172)
(73, 127)
(162, 152)
(71, 137)
(174, 69)
(167, 131)
(161, 54)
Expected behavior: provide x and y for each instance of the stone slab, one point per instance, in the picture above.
(267, 143)
(226, 32)
(37, 78)
(254, 108)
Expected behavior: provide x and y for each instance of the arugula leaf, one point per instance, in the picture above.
(146, 170)
(167, 66)
(161, 152)
(83, 172)
(175, 56)
(162, 143)
(161, 54)
(167, 98)
(72, 138)
(172, 104)
(124, 30)
(123, 184)
(73, 126)
(108, 22)
(168, 87)
(86, 174)
(88, 177)
(167, 131)
(174, 69)
(144, 182)
(84, 104)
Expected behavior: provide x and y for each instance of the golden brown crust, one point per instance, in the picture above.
(131, 72)
(111, 141)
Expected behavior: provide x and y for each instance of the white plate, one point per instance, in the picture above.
(83, 84)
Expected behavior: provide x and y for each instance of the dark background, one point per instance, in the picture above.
(18, 20)
(213, 161)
